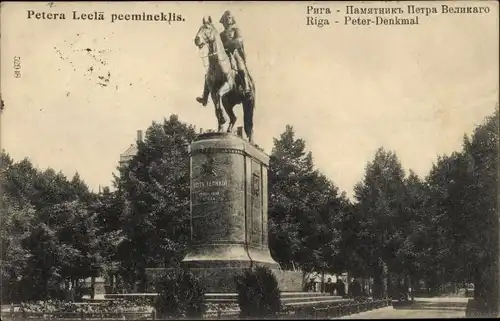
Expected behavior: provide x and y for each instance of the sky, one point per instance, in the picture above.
(347, 90)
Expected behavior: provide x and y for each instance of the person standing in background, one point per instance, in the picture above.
(340, 287)
(329, 286)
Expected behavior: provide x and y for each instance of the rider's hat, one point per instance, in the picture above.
(225, 15)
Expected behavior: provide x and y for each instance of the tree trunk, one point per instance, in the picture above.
(378, 287)
(78, 290)
(478, 290)
(348, 283)
(67, 289)
(485, 286)
(385, 280)
(415, 287)
(112, 282)
(46, 288)
(143, 282)
(322, 281)
(92, 287)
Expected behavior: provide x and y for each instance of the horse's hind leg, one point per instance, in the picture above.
(248, 108)
(221, 119)
(229, 108)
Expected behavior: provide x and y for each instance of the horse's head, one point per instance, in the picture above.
(206, 34)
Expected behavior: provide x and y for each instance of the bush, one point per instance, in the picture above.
(180, 295)
(258, 293)
(479, 308)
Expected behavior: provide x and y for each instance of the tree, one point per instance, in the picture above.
(448, 206)
(47, 231)
(156, 186)
(79, 190)
(17, 179)
(357, 250)
(413, 252)
(461, 222)
(322, 231)
(15, 225)
(290, 165)
(79, 254)
(304, 207)
(380, 202)
(109, 208)
(481, 231)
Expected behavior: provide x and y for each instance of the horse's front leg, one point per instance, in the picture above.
(228, 107)
(219, 114)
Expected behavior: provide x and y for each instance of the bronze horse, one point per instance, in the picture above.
(223, 81)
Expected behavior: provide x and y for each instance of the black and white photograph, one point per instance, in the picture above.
(248, 160)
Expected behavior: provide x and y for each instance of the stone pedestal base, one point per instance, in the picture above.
(222, 279)
(228, 256)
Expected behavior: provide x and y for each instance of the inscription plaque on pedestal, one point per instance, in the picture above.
(217, 199)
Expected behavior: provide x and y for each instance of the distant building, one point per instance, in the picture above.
(128, 154)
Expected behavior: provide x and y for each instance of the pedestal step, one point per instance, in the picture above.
(222, 280)
(129, 296)
(95, 300)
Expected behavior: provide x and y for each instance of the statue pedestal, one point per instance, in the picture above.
(228, 215)
(228, 206)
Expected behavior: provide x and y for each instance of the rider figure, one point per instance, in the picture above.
(233, 44)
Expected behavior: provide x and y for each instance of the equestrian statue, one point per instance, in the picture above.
(227, 79)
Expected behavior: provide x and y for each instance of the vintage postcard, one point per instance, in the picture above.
(218, 160)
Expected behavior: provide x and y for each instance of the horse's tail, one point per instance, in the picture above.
(254, 94)
(254, 89)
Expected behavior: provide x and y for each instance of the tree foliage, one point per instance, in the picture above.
(304, 207)
(156, 192)
(442, 228)
(47, 231)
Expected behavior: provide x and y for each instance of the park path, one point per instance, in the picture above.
(442, 307)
